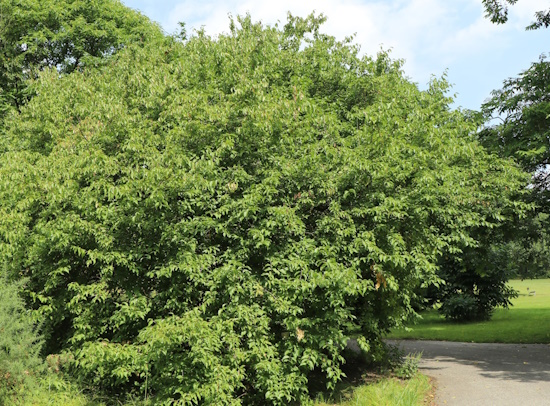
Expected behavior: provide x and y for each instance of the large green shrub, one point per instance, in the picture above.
(205, 220)
(460, 306)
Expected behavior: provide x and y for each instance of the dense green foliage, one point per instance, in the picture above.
(460, 307)
(62, 34)
(526, 254)
(205, 220)
(524, 133)
(497, 12)
(475, 281)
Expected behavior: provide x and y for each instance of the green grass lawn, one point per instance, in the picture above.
(527, 321)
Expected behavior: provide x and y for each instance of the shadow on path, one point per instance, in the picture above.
(485, 374)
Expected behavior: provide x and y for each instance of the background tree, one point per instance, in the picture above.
(527, 254)
(521, 111)
(476, 280)
(208, 220)
(497, 11)
(61, 34)
(523, 135)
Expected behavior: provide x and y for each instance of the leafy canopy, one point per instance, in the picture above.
(207, 220)
(523, 105)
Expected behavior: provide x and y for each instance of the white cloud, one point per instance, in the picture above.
(474, 39)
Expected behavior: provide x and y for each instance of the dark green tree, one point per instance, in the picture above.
(497, 11)
(527, 254)
(520, 112)
(207, 220)
(476, 280)
(61, 34)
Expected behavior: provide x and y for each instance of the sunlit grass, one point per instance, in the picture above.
(386, 392)
(527, 321)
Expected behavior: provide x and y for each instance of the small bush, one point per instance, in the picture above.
(393, 358)
(408, 367)
(395, 362)
(460, 307)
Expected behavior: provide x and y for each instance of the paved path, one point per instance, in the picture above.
(470, 374)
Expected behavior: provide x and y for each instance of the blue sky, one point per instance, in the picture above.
(432, 36)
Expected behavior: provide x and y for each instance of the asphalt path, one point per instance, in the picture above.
(471, 374)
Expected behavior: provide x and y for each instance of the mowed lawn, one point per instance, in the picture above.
(527, 321)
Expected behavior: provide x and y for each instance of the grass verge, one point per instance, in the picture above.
(386, 392)
(374, 390)
(526, 321)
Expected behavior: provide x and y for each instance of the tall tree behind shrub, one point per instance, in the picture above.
(62, 34)
(527, 254)
(206, 220)
(518, 126)
(518, 118)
